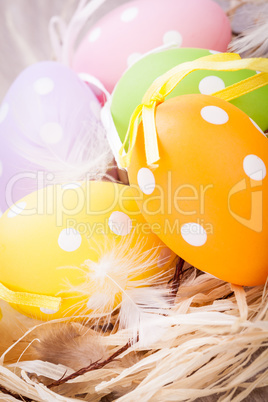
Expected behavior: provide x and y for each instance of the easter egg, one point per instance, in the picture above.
(208, 192)
(83, 243)
(49, 126)
(126, 33)
(137, 79)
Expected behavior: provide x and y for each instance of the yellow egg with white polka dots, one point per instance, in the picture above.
(81, 244)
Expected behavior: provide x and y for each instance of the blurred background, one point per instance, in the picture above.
(24, 37)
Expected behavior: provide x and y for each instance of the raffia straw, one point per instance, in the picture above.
(214, 344)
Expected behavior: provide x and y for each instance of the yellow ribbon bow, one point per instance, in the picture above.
(165, 84)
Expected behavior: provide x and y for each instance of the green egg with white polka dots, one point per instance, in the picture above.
(137, 79)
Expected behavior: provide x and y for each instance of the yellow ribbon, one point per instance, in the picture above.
(165, 84)
(242, 87)
(131, 135)
(29, 299)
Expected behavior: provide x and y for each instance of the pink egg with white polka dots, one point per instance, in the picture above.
(50, 130)
(125, 34)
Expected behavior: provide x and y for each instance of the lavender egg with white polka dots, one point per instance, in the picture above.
(46, 117)
(128, 32)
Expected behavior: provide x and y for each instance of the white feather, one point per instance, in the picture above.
(87, 157)
(143, 313)
(254, 41)
(112, 280)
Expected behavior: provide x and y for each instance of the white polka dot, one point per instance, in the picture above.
(254, 167)
(258, 128)
(258, 72)
(214, 115)
(44, 86)
(48, 311)
(133, 58)
(95, 108)
(1, 168)
(16, 209)
(69, 239)
(214, 51)
(172, 36)
(71, 186)
(130, 14)
(51, 133)
(120, 223)
(194, 234)
(164, 257)
(3, 111)
(146, 180)
(211, 84)
(94, 35)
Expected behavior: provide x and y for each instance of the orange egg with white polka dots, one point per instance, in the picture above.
(207, 196)
(84, 243)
